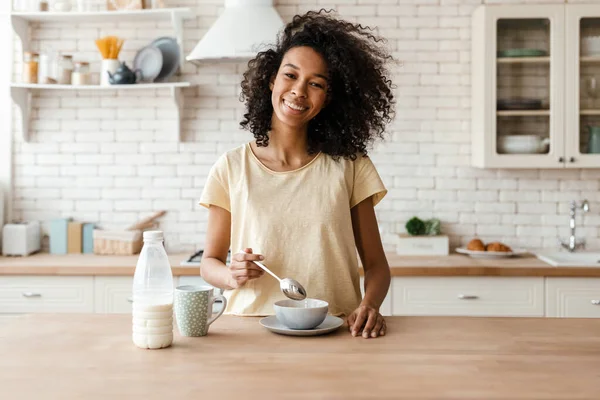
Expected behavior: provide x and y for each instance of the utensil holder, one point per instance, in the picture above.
(108, 65)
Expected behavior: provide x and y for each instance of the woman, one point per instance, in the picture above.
(301, 196)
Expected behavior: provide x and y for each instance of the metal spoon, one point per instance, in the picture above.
(290, 287)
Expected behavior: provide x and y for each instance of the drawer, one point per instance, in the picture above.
(468, 296)
(41, 294)
(573, 297)
(386, 306)
(112, 294)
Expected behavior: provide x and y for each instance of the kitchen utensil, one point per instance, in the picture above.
(523, 144)
(108, 67)
(592, 89)
(290, 287)
(149, 60)
(303, 314)
(521, 53)
(21, 239)
(192, 305)
(123, 75)
(519, 104)
(146, 220)
(491, 254)
(594, 140)
(170, 54)
(330, 324)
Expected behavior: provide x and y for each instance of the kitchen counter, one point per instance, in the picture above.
(58, 356)
(452, 265)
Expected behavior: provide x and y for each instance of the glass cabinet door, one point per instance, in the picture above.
(583, 86)
(522, 85)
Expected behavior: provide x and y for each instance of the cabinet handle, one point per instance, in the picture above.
(130, 299)
(571, 159)
(596, 302)
(31, 294)
(561, 159)
(467, 297)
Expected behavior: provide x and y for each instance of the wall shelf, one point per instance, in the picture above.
(21, 92)
(21, 20)
(21, 95)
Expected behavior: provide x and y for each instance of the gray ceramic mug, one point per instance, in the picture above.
(194, 309)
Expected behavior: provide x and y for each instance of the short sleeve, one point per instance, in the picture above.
(216, 189)
(367, 182)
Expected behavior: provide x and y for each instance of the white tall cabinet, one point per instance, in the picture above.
(535, 86)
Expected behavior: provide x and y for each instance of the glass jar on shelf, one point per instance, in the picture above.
(65, 69)
(30, 67)
(81, 73)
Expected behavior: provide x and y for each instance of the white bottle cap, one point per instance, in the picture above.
(153, 236)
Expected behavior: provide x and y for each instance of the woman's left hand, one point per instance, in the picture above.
(368, 319)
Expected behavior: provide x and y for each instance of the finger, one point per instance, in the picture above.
(242, 257)
(378, 325)
(248, 250)
(350, 320)
(247, 265)
(255, 274)
(383, 328)
(371, 321)
(359, 322)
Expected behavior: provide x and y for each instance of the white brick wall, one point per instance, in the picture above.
(110, 158)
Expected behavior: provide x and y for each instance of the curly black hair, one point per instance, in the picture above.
(362, 100)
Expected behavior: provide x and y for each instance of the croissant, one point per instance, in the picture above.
(497, 246)
(476, 245)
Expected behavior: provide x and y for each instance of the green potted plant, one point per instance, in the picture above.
(422, 238)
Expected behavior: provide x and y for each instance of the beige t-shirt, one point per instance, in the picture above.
(299, 220)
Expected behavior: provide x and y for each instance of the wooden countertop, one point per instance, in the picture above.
(452, 265)
(91, 356)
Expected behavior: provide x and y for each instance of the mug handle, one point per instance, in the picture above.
(210, 307)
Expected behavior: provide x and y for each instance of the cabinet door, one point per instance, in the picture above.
(582, 130)
(468, 296)
(573, 297)
(518, 86)
(46, 294)
(112, 294)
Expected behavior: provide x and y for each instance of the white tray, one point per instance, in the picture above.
(491, 254)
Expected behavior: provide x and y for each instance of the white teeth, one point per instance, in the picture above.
(293, 106)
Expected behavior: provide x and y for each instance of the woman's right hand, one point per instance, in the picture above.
(242, 269)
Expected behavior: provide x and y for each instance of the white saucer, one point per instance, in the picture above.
(330, 324)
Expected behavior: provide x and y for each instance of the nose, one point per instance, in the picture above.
(299, 89)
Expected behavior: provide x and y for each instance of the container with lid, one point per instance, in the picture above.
(30, 67)
(81, 73)
(65, 69)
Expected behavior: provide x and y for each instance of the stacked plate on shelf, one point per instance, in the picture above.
(159, 60)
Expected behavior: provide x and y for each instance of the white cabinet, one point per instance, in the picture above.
(528, 65)
(386, 306)
(468, 296)
(54, 294)
(112, 294)
(573, 297)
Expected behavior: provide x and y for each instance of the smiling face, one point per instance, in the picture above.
(299, 90)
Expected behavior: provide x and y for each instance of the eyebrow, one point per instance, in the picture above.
(295, 67)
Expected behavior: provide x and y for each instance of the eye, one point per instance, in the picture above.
(290, 75)
(317, 85)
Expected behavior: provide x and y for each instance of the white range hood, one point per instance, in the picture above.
(240, 32)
